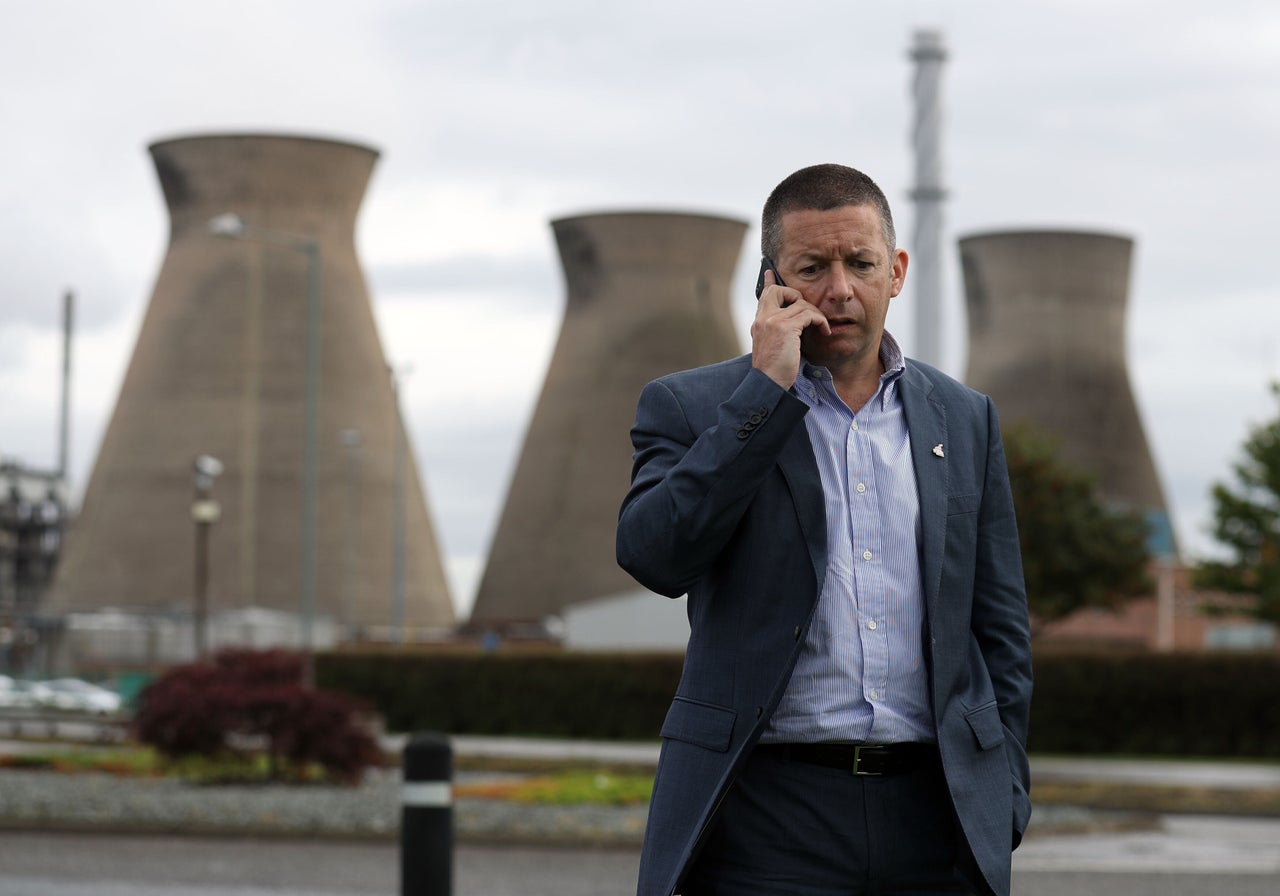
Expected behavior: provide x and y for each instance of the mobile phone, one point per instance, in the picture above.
(766, 264)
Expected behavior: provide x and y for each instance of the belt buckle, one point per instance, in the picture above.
(857, 763)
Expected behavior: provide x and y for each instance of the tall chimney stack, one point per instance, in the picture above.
(928, 194)
(64, 425)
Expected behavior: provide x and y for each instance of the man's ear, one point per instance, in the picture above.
(899, 271)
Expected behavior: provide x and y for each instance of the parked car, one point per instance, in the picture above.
(75, 694)
(15, 693)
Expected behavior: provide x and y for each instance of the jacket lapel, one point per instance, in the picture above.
(927, 424)
(800, 470)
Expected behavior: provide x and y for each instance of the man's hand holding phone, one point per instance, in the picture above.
(781, 316)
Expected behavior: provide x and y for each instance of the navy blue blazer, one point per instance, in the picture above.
(726, 505)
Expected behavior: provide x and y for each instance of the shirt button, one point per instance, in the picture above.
(872, 625)
(862, 487)
(855, 425)
(874, 695)
(866, 555)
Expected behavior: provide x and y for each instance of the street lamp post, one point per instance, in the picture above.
(205, 511)
(398, 463)
(232, 226)
(352, 439)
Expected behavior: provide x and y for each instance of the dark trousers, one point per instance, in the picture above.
(790, 828)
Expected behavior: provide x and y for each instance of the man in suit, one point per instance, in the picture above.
(852, 713)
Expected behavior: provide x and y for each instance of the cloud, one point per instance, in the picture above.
(513, 278)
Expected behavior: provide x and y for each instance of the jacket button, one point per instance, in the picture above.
(797, 633)
(743, 433)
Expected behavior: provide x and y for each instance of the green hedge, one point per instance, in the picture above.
(547, 694)
(1175, 704)
(1219, 704)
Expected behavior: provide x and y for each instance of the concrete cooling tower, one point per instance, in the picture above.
(1047, 343)
(303, 421)
(648, 294)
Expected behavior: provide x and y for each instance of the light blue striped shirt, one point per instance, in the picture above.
(861, 674)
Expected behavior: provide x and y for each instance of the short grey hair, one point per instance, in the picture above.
(822, 188)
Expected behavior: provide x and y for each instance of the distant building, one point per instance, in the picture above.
(637, 621)
(1177, 617)
(33, 518)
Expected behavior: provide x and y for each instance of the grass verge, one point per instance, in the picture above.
(1162, 798)
(565, 788)
(562, 782)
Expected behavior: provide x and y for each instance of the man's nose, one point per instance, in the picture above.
(839, 285)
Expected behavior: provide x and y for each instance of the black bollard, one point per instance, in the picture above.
(426, 817)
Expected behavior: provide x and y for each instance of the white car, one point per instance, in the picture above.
(74, 694)
(15, 693)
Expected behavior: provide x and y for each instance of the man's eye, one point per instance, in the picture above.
(809, 270)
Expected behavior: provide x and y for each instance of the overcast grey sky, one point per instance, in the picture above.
(1160, 120)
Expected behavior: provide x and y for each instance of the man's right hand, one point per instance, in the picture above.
(781, 316)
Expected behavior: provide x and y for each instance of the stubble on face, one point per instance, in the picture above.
(839, 261)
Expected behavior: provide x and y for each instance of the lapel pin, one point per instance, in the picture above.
(937, 449)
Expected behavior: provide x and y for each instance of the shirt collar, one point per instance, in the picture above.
(891, 357)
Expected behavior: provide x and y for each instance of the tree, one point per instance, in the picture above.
(1077, 551)
(224, 707)
(1246, 518)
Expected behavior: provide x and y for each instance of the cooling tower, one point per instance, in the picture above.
(1047, 343)
(222, 368)
(648, 294)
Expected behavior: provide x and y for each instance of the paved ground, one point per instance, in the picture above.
(1206, 856)
(1176, 844)
(1169, 855)
(1184, 773)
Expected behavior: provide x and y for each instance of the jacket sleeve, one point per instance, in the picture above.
(1000, 618)
(694, 476)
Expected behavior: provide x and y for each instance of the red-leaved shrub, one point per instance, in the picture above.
(240, 701)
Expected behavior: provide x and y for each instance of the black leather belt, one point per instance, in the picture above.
(858, 759)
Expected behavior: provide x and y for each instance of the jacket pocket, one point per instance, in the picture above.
(701, 724)
(963, 503)
(986, 725)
